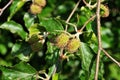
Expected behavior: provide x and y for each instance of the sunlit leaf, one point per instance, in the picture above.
(55, 76)
(51, 70)
(16, 5)
(3, 49)
(114, 72)
(34, 29)
(107, 37)
(28, 19)
(51, 24)
(14, 27)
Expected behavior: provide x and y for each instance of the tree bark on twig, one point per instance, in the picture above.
(2, 10)
(71, 14)
(99, 39)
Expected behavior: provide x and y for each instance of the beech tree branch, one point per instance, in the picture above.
(99, 39)
(89, 5)
(71, 14)
(115, 61)
(5, 7)
(86, 23)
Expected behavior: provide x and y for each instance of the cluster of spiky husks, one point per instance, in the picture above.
(40, 2)
(35, 9)
(37, 5)
(104, 11)
(73, 45)
(64, 41)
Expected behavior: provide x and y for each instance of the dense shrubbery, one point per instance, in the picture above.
(30, 48)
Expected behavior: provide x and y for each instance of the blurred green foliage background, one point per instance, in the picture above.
(14, 48)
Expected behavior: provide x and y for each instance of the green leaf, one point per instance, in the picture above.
(86, 11)
(107, 37)
(16, 5)
(51, 70)
(21, 71)
(51, 24)
(50, 48)
(86, 14)
(91, 39)
(3, 49)
(86, 55)
(101, 70)
(82, 20)
(29, 20)
(45, 12)
(83, 75)
(14, 27)
(114, 72)
(52, 54)
(52, 58)
(21, 50)
(55, 76)
(5, 63)
(34, 29)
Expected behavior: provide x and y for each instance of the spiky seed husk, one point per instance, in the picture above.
(104, 11)
(34, 38)
(62, 40)
(73, 45)
(40, 2)
(37, 46)
(35, 9)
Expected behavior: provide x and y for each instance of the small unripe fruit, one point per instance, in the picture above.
(104, 11)
(62, 40)
(40, 2)
(37, 46)
(35, 9)
(34, 38)
(73, 45)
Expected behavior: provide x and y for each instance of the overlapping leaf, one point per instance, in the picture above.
(14, 27)
(51, 24)
(21, 71)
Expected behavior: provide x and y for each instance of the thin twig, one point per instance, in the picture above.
(71, 14)
(46, 75)
(99, 39)
(87, 23)
(2, 10)
(106, 53)
(75, 27)
(89, 5)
